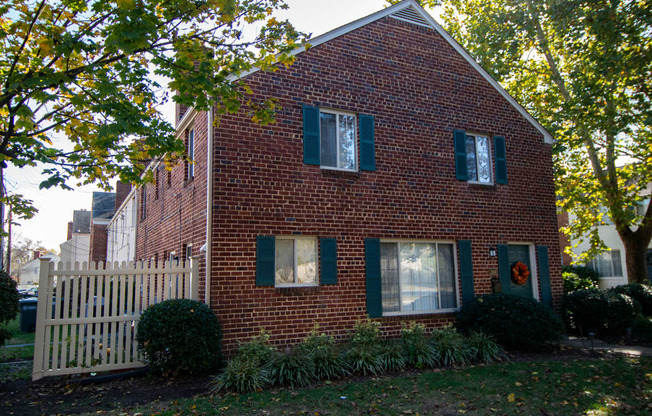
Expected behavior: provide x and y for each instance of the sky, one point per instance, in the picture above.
(56, 206)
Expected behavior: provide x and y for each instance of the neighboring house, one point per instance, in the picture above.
(77, 246)
(121, 230)
(399, 181)
(103, 207)
(610, 265)
(29, 274)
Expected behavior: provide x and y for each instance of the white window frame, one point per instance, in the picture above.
(172, 256)
(489, 155)
(188, 252)
(337, 139)
(455, 279)
(592, 264)
(191, 153)
(294, 250)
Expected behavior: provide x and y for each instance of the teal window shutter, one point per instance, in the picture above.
(501, 160)
(460, 155)
(466, 271)
(310, 135)
(544, 275)
(503, 268)
(367, 143)
(328, 261)
(372, 267)
(265, 260)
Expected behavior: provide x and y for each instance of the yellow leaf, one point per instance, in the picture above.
(511, 398)
(518, 384)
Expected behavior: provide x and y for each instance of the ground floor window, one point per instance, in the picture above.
(607, 264)
(417, 277)
(296, 261)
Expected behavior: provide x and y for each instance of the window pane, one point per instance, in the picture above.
(328, 139)
(389, 276)
(617, 265)
(284, 261)
(446, 276)
(306, 261)
(347, 142)
(484, 161)
(471, 164)
(418, 277)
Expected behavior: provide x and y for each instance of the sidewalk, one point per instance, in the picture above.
(597, 345)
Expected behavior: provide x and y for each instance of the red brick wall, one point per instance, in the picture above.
(122, 190)
(564, 241)
(98, 242)
(419, 90)
(177, 217)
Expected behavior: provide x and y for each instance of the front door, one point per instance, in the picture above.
(520, 253)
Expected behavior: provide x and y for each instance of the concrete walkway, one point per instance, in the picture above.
(597, 345)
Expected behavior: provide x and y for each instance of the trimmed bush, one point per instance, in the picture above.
(514, 321)
(639, 293)
(242, 375)
(605, 313)
(582, 272)
(642, 329)
(418, 351)
(451, 346)
(484, 348)
(573, 282)
(8, 304)
(180, 335)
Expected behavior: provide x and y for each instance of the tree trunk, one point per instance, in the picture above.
(636, 258)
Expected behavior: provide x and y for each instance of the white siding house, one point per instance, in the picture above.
(121, 232)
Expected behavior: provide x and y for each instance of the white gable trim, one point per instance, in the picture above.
(395, 12)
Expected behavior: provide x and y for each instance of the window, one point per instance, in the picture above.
(338, 139)
(143, 202)
(190, 154)
(473, 158)
(417, 277)
(330, 139)
(296, 261)
(607, 264)
(478, 160)
(188, 251)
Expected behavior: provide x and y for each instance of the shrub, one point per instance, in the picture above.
(8, 304)
(364, 353)
(258, 350)
(582, 272)
(180, 335)
(484, 348)
(242, 375)
(327, 361)
(573, 282)
(294, 370)
(451, 346)
(514, 321)
(605, 313)
(393, 356)
(418, 351)
(642, 329)
(639, 293)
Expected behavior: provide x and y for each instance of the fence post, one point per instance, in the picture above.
(41, 313)
(194, 279)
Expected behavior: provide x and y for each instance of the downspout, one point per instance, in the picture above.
(209, 206)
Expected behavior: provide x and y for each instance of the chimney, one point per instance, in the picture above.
(69, 235)
(37, 254)
(121, 192)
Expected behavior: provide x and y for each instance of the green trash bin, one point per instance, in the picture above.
(28, 314)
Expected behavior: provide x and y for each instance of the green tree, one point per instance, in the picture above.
(81, 70)
(583, 69)
(8, 305)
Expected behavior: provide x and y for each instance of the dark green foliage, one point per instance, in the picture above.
(642, 294)
(364, 353)
(258, 349)
(573, 282)
(582, 272)
(8, 304)
(418, 351)
(242, 375)
(605, 313)
(484, 348)
(515, 322)
(327, 361)
(642, 329)
(293, 369)
(451, 346)
(393, 356)
(180, 335)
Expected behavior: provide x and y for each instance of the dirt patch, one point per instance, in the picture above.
(76, 395)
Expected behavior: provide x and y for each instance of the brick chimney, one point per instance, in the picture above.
(69, 235)
(37, 254)
(121, 192)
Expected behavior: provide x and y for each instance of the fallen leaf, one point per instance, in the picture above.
(517, 384)
(511, 398)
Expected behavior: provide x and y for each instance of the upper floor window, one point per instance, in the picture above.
(473, 158)
(143, 202)
(338, 140)
(190, 154)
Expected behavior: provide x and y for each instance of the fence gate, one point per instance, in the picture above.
(87, 317)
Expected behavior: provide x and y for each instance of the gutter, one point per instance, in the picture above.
(209, 205)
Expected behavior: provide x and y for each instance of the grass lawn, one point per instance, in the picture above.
(17, 338)
(592, 387)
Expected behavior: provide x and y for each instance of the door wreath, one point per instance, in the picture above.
(520, 273)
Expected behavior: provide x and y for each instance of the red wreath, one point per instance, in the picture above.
(520, 273)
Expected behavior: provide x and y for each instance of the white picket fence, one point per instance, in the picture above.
(87, 317)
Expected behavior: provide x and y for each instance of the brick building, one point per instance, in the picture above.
(398, 181)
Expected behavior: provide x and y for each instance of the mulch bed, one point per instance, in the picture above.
(76, 395)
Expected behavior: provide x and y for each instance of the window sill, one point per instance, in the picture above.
(297, 290)
(188, 181)
(420, 313)
(340, 173)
